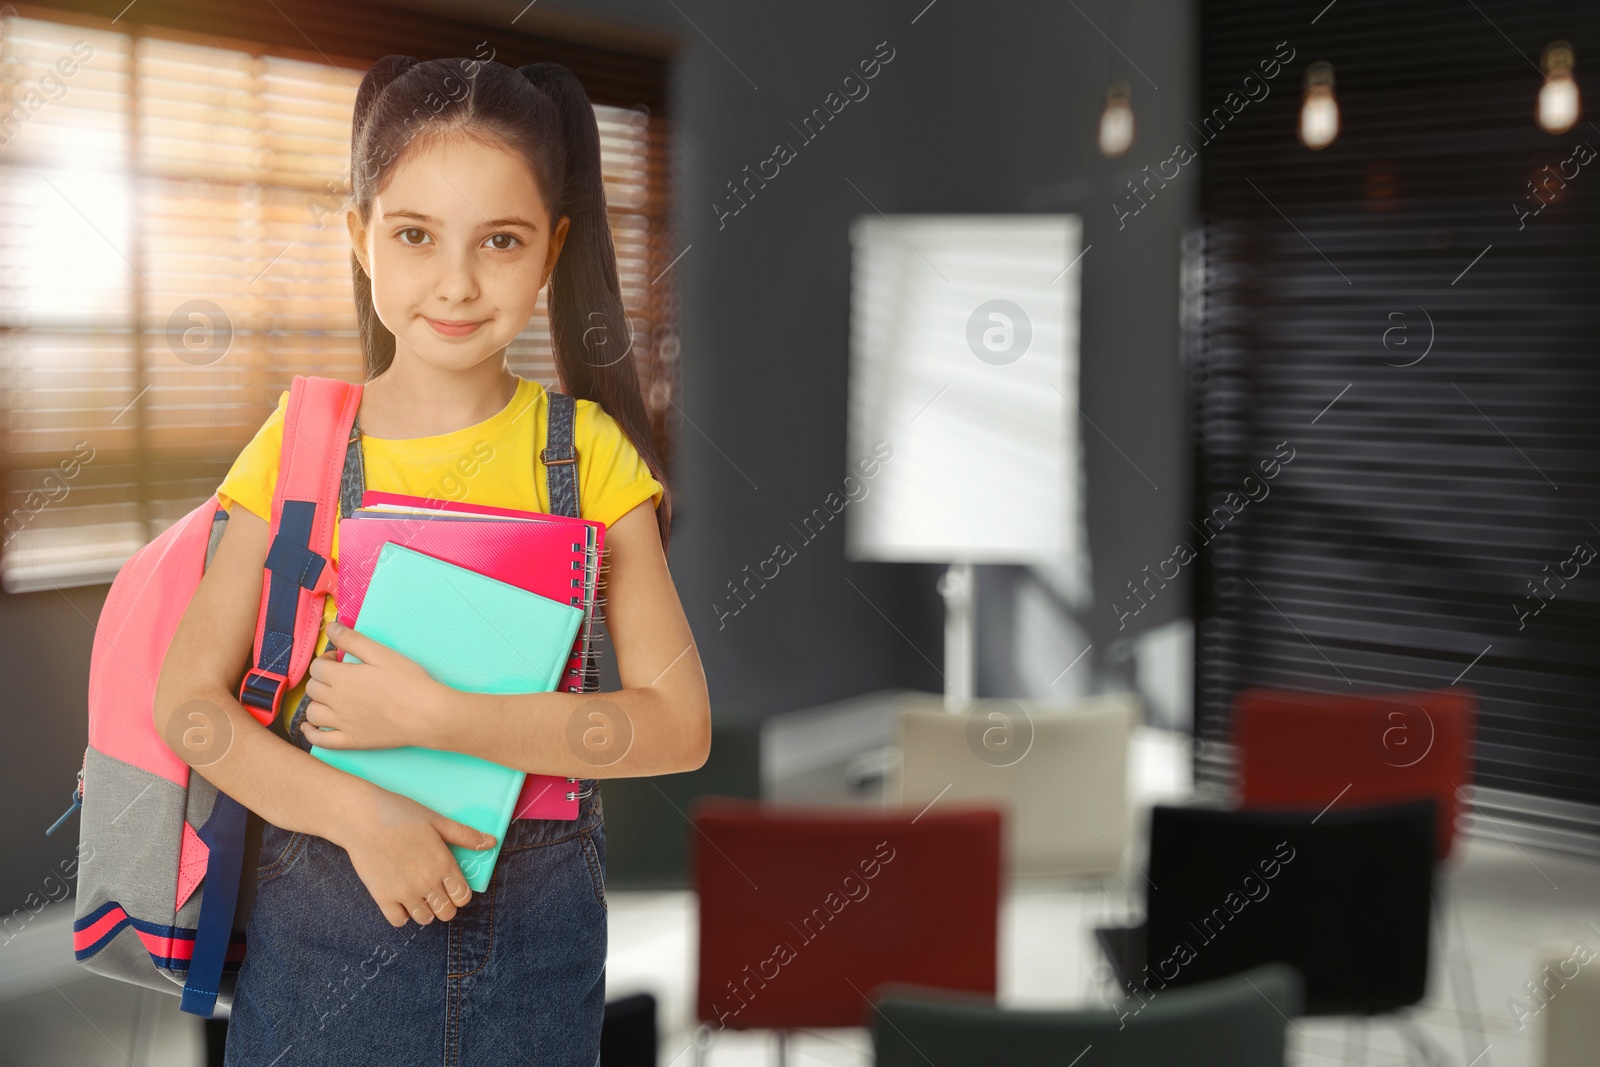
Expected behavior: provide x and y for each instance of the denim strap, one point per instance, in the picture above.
(560, 459)
(354, 481)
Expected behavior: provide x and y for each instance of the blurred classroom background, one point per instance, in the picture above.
(1218, 648)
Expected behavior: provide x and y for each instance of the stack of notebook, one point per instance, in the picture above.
(487, 600)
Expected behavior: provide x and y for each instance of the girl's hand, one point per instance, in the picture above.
(400, 849)
(385, 701)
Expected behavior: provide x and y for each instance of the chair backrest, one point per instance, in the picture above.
(628, 1033)
(1304, 750)
(1231, 1022)
(1566, 1010)
(1059, 770)
(1345, 897)
(806, 911)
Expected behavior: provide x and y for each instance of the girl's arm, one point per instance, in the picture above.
(197, 711)
(658, 723)
(397, 846)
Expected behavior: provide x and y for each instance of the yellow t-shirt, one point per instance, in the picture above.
(494, 462)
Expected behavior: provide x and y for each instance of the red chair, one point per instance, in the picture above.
(1310, 751)
(805, 911)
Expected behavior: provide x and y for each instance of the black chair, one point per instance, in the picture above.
(216, 1031)
(628, 1036)
(1345, 897)
(647, 821)
(1232, 1022)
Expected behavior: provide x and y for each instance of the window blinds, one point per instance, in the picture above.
(174, 253)
(1386, 307)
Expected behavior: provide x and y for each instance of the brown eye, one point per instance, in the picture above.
(510, 237)
(411, 230)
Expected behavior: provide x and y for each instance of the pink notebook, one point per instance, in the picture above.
(551, 555)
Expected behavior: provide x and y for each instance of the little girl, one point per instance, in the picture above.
(473, 185)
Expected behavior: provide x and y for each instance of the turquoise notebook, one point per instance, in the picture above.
(472, 633)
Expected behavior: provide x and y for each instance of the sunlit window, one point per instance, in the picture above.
(172, 254)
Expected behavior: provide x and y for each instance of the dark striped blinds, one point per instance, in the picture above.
(1412, 312)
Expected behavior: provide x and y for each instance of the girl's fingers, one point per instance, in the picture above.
(342, 638)
(441, 904)
(421, 912)
(318, 736)
(457, 890)
(317, 665)
(395, 914)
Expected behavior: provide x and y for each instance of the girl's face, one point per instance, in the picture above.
(458, 246)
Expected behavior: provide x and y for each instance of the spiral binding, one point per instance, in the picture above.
(589, 669)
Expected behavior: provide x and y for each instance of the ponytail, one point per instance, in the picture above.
(587, 324)
(541, 112)
(377, 343)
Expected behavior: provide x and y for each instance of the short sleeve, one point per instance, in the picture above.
(254, 474)
(613, 478)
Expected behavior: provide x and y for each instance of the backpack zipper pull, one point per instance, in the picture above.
(77, 802)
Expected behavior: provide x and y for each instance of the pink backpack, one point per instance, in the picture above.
(161, 850)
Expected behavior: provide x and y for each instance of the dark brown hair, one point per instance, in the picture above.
(542, 113)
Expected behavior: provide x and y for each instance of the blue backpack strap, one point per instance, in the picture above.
(224, 835)
(560, 459)
(352, 487)
(291, 563)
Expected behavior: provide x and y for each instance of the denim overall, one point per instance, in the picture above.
(516, 977)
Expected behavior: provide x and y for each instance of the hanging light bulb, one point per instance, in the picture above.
(1319, 112)
(1116, 122)
(1558, 97)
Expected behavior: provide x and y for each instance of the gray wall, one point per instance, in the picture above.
(984, 108)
